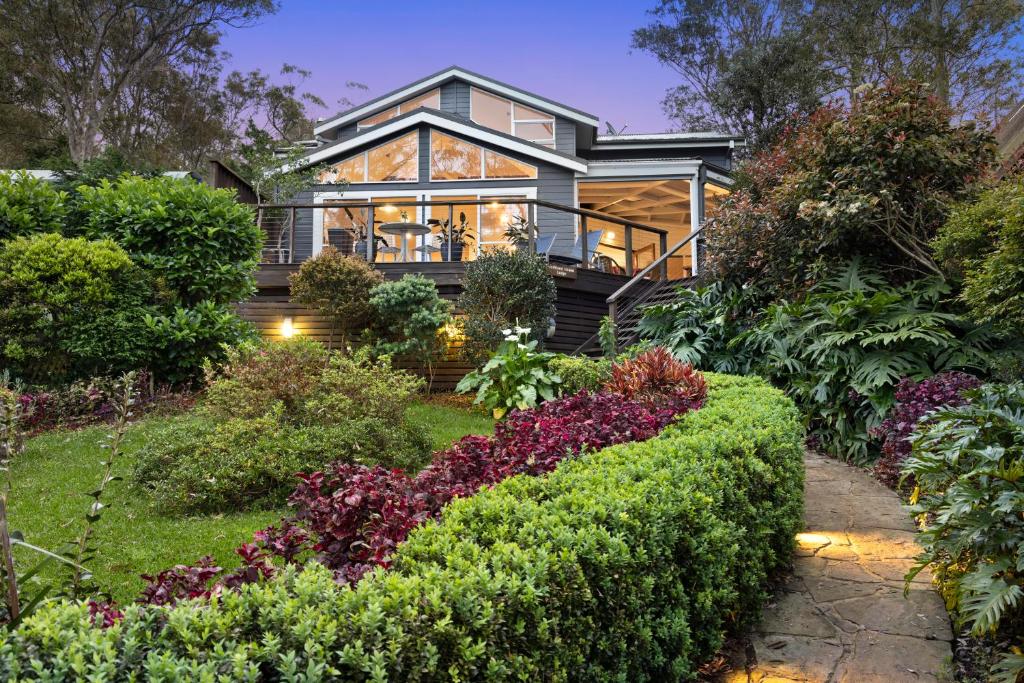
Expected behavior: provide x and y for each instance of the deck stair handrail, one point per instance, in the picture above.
(627, 303)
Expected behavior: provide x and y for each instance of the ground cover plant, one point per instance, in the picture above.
(630, 563)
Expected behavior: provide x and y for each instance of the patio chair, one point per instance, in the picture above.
(544, 245)
(593, 239)
(428, 250)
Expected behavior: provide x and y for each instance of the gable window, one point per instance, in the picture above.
(393, 162)
(511, 117)
(430, 99)
(455, 159)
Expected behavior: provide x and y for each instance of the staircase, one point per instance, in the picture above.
(626, 306)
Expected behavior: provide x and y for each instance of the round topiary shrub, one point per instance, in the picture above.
(338, 287)
(504, 289)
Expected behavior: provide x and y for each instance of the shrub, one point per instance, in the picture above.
(580, 373)
(339, 288)
(658, 378)
(983, 243)
(501, 290)
(29, 205)
(841, 349)
(627, 564)
(72, 309)
(201, 243)
(967, 462)
(407, 316)
(698, 327)
(255, 377)
(874, 180)
(199, 466)
(360, 387)
(915, 400)
(516, 376)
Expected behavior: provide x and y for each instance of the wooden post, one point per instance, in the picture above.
(663, 268)
(629, 250)
(10, 578)
(291, 239)
(531, 225)
(259, 223)
(451, 221)
(371, 239)
(585, 261)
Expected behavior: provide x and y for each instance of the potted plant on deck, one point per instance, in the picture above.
(460, 236)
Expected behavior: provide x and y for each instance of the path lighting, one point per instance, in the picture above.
(287, 328)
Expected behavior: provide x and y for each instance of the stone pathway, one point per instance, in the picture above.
(842, 617)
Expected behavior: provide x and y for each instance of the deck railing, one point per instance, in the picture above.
(280, 221)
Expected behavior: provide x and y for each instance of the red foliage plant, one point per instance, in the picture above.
(914, 400)
(656, 376)
(353, 517)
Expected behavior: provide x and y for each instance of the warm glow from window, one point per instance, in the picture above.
(510, 117)
(454, 159)
(394, 161)
(430, 99)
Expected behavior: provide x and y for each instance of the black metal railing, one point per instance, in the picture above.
(280, 224)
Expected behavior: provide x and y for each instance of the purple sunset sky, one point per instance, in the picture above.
(571, 51)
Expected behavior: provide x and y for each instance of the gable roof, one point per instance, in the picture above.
(452, 123)
(453, 73)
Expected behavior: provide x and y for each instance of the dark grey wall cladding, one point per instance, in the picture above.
(553, 183)
(565, 135)
(455, 98)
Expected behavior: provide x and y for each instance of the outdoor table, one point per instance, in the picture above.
(404, 230)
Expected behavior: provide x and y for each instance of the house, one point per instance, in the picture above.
(459, 152)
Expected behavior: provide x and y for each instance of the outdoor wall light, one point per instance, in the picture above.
(287, 328)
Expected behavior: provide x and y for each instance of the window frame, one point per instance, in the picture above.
(397, 108)
(512, 117)
(483, 163)
(365, 154)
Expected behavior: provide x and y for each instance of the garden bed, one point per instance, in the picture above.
(51, 478)
(630, 564)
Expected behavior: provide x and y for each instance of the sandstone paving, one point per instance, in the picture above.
(844, 616)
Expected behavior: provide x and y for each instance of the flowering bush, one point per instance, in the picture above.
(657, 377)
(914, 400)
(516, 376)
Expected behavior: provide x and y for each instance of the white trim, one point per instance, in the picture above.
(528, 192)
(654, 167)
(425, 116)
(670, 137)
(435, 81)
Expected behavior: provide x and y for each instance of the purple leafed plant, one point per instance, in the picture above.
(914, 400)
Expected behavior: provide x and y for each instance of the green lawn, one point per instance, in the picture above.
(56, 471)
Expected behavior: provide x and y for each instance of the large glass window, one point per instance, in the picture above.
(455, 159)
(430, 99)
(393, 162)
(510, 117)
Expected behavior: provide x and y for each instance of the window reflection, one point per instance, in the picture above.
(510, 117)
(430, 99)
(454, 159)
(394, 161)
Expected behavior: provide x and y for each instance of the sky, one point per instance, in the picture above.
(571, 51)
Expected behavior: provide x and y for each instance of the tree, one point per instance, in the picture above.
(874, 180)
(83, 56)
(747, 66)
(965, 50)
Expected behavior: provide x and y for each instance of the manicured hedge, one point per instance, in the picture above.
(624, 565)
